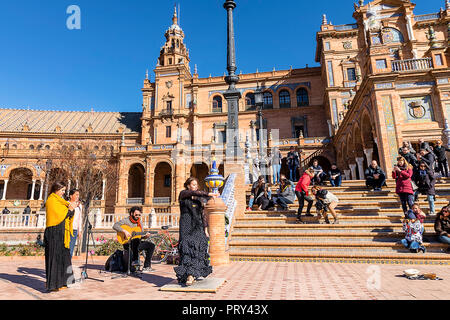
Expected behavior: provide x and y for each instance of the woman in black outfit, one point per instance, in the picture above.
(193, 241)
(59, 228)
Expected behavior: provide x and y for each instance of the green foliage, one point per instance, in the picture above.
(107, 247)
(29, 249)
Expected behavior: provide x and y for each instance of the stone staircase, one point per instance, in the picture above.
(369, 230)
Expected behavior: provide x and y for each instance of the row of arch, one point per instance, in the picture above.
(162, 179)
(358, 147)
(64, 147)
(285, 99)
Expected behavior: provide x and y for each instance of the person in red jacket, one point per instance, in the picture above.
(402, 174)
(301, 191)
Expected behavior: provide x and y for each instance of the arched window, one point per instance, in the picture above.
(302, 97)
(285, 99)
(217, 104)
(250, 101)
(267, 100)
(31, 147)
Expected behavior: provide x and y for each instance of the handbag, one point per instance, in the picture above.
(414, 186)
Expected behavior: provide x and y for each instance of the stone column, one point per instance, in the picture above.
(32, 190)
(253, 140)
(360, 162)
(4, 189)
(369, 155)
(330, 128)
(353, 170)
(347, 174)
(41, 189)
(215, 210)
(409, 28)
(103, 189)
(68, 186)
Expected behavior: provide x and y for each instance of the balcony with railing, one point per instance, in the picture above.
(412, 65)
(137, 201)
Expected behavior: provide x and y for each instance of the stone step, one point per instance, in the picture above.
(362, 211)
(347, 247)
(333, 256)
(440, 189)
(325, 234)
(294, 225)
(343, 219)
(314, 229)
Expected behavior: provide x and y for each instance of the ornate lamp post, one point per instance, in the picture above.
(232, 95)
(259, 105)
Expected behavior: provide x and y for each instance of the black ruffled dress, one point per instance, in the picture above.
(193, 243)
(58, 262)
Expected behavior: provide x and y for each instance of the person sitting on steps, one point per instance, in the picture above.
(319, 175)
(260, 195)
(442, 226)
(413, 228)
(285, 194)
(375, 176)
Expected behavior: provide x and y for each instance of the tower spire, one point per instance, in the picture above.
(175, 17)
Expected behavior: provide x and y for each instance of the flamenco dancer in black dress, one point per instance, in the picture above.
(193, 241)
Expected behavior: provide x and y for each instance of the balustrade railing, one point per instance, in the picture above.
(161, 200)
(97, 219)
(135, 201)
(424, 17)
(21, 221)
(412, 64)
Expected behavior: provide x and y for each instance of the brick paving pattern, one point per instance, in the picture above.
(24, 279)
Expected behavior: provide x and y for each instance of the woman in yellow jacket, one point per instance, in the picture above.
(59, 228)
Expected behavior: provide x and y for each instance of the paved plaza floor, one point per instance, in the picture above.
(24, 278)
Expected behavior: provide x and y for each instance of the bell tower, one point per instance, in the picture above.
(165, 108)
(174, 51)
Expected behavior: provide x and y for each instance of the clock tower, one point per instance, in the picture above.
(165, 108)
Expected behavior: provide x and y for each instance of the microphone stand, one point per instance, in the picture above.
(88, 229)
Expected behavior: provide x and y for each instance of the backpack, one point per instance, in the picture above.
(321, 194)
(115, 262)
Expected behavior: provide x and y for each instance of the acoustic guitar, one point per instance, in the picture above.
(135, 232)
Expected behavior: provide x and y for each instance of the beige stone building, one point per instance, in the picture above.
(381, 80)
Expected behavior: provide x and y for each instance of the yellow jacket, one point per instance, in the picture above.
(56, 211)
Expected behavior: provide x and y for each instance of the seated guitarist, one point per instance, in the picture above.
(133, 221)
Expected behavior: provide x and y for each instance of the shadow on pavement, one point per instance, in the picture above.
(26, 280)
(155, 279)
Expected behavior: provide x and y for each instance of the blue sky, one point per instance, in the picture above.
(44, 65)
